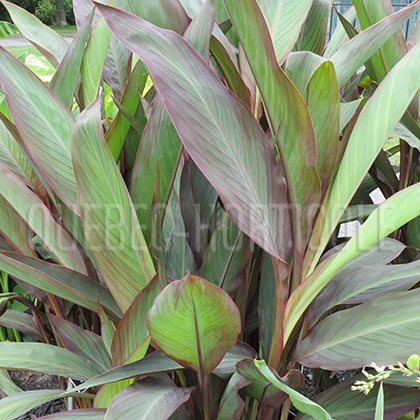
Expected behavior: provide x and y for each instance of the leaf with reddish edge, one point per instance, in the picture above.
(44, 123)
(26, 204)
(323, 99)
(13, 156)
(199, 30)
(384, 220)
(48, 359)
(284, 20)
(21, 321)
(63, 282)
(159, 144)
(81, 414)
(132, 331)
(334, 342)
(49, 42)
(361, 48)
(314, 30)
(344, 404)
(124, 259)
(65, 79)
(155, 362)
(231, 73)
(370, 122)
(14, 229)
(150, 398)
(194, 322)
(82, 342)
(289, 120)
(254, 194)
(231, 404)
(168, 14)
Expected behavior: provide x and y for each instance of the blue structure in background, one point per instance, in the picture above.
(344, 5)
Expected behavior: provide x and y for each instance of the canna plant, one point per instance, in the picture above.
(171, 203)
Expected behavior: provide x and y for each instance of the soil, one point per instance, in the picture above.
(28, 381)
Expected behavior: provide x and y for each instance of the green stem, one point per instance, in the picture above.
(3, 337)
(205, 393)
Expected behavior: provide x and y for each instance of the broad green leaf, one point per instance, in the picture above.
(22, 322)
(43, 122)
(289, 119)
(359, 49)
(284, 19)
(14, 229)
(383, 221)
(302, 403)
(131, 332)
(159, 146)
(118, 131)
(379, 411)
(106, 208)
(64, 81)
(67, 284)
(82, 342)
(18, 404)
(49, 42)
(81, 414)
(226, 257)
(46, 358)
(195, 323)
(231, 404)
(314, 30)
(339, 37)
(389, 100)
(7, 385)
(31, 209)
(155, 362)
(344, 404)
(365, 283)
(355, 337)
(151, 398)
(93, 61)
(232, 138)
(323, 99)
